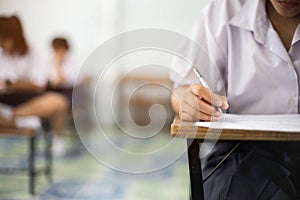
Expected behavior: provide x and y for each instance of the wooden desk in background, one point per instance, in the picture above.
(142, 91)
(196, 135)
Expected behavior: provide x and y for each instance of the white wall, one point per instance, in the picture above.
(85, 23)
(90, 22)
(176, 15)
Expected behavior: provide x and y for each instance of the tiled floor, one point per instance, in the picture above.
(79, 175)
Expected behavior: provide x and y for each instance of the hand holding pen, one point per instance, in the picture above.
(197, 102)
(211, 102)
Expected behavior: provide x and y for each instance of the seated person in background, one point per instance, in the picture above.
(63, 74)
(63, 69)
(23, 82)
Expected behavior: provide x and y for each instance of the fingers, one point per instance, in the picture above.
(225, 104)
(198, 103)
(199, 110)
(211, 98)
(187, 117)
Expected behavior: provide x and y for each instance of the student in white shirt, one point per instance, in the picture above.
(63, 68)
(24, 81)
(255, 45)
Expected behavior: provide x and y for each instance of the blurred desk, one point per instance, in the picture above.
(141, 92)
(196, 135)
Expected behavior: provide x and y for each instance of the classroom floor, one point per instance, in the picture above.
(78, 175)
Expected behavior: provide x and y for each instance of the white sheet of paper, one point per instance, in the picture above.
(283, 123)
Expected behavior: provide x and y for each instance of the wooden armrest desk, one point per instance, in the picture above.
(196, 135)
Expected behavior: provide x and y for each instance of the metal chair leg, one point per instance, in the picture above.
(32, 171)
(196, 183)
(48, 156)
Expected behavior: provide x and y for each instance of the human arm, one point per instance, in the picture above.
(59, 77)
(195, 102)
(23, 86)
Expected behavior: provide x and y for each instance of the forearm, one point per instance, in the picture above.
(59, 76)
(24, 86)
(59, 79)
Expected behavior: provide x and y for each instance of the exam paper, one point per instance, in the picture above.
(282, 123)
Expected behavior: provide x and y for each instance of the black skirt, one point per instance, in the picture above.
(15, 99)
(255, 170)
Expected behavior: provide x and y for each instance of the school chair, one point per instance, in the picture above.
(31, 134)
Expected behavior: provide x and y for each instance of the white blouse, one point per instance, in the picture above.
(69, 69)
(28, 67)
(246, 56)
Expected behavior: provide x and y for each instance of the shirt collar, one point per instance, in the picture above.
(296, 37)
(252, 17)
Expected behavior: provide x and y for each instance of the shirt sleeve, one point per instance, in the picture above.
(206, 50)
(39, 71)
(70, 71)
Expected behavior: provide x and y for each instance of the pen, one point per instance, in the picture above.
(204, 83)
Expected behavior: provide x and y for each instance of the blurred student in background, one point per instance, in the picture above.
(63, 68)
(23, 81)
